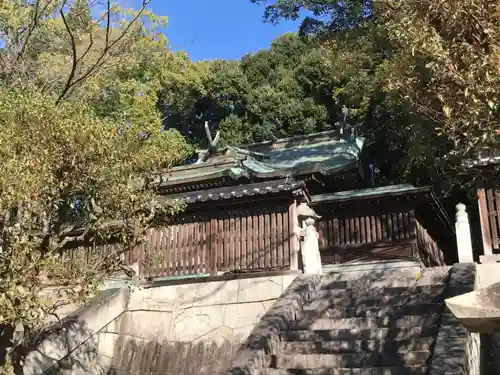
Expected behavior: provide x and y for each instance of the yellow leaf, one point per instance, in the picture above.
(447, 111)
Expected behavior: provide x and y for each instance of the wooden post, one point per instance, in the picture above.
(212, 250)
(485, 222)
(414, 235)
(141, 257)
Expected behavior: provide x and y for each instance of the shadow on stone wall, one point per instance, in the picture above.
(38, 354)
(490, 349)
(137, 357)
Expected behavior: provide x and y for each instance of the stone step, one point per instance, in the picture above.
(406, 321)
(410, 370)
(365, 267)
(354, 346)
(386, 282)
(333, 312)
(374, 274)
(359, 334)
(313, 361)
(376, 292)
(348, 298)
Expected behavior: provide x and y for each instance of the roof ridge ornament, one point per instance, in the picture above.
(346, 130)
(212, 142)
(203, 155)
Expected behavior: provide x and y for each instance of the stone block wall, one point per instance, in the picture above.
(177, 329)
(74, 346)
(192, 328)
(456, 350)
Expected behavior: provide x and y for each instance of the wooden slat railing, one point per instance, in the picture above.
(232, 240)
(489, 211)
(376, 236)
(429, 251)
(189, 236)
(362, 230)
(84, 254)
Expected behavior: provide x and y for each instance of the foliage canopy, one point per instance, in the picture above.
(94, 101)
(81, 136)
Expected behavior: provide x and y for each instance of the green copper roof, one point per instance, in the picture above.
(230, 168)
(366, 193)
(325, 156)
(325, 152)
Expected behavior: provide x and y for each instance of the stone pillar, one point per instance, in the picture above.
(311, 257)
(464, 241)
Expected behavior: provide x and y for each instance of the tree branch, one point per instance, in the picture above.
(71, 82)
(108, 21)
(74, 61)
(30, 29)
(69, 239)
(49, 82)
(87, 50)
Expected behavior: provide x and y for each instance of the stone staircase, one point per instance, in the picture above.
(361, 322)
(366, 323)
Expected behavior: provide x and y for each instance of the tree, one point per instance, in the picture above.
(226, 88)
(182, 85)
(445, 58)
(322, 16)
(447, 66)
(278, 103)
(81, 138)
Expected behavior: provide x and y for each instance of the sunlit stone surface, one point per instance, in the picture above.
(478, 311)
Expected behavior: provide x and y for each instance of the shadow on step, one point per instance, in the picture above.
(304, 308)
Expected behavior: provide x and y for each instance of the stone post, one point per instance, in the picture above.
(462, 229)
(311, 258)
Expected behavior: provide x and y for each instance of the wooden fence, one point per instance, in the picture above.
(233, 240)
(85, 254)
(366, 229)
(263, 238)
(429, 252)
(371, 237)
(376, 236)
(489, 212)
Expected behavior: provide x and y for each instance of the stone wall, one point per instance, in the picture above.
(487, 274)
(177, 329)
(456, 350)
(193, 328)
(73, 346)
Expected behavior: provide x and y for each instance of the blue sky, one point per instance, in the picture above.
(209, 29)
